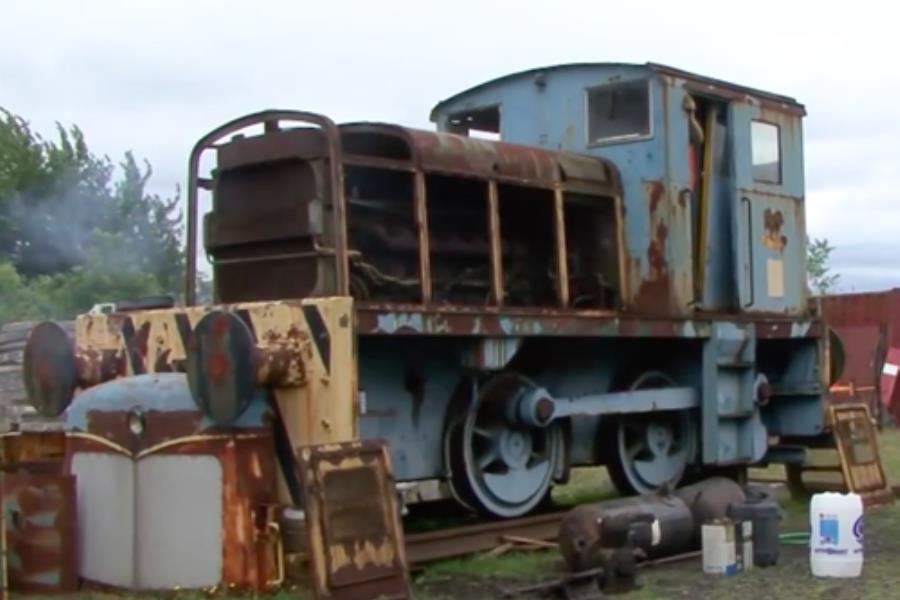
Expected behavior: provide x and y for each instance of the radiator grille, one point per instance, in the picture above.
(151, 524)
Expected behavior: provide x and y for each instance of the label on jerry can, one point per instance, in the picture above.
(743, 542)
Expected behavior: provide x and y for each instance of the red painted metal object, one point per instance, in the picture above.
(868, 325)
(890, 390)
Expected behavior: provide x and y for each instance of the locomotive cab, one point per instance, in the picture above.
(712, 175)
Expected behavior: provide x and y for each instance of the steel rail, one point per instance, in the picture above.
(459, 541)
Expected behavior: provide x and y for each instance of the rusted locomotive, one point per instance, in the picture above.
(618, 278)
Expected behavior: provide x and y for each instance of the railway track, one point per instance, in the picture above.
(458, 541)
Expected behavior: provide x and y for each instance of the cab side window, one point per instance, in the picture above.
(619, 111)
(766, 151)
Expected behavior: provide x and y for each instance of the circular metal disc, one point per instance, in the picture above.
(221, 366)
(498, 468)
(646, 451)
(49, 369)
(654, 449)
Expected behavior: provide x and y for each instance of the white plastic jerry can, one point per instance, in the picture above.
(836, 535)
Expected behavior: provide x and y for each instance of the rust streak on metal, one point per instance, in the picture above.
(773, 239)
(657, 193)
(355, 539)
(40, 527)
(653, 295)
(159, 427)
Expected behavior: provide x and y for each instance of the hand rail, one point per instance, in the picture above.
(336, 168)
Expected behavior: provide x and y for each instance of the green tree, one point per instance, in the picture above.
(149, 227)
(821, 280)
(52, 195)
(75, 230)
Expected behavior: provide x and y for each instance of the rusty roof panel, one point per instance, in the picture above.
(484, 159)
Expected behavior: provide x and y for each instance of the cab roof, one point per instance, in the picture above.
(716, 86)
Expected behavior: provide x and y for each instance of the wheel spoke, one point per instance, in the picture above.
(482, 432)
(490, 456)
(635, 448)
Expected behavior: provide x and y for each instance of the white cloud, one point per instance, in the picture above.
(154, 77)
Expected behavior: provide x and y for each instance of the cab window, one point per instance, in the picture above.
(766, 151)
(618, 111)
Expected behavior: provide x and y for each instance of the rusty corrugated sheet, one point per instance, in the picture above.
(39, 515)
(865, 309)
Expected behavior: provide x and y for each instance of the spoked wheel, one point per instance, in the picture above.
(646, 451)
(498, 466)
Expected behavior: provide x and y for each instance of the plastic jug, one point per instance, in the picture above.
(836, 535)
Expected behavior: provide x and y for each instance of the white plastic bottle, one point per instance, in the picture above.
(836, 535)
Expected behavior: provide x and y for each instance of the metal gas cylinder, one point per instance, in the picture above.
(708, 500)
(668, 528)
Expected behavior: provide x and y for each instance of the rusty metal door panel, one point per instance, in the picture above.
(105, 483)
(39, 516)
(355, 537)
(179, 522)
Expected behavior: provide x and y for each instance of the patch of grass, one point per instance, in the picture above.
(586, 484)
(889, 447)
(521, 566)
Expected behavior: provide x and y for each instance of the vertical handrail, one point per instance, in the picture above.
(421, 210)
(703, 217)
(752, 289)
(562, 265)
(496, 248)
(336, 175)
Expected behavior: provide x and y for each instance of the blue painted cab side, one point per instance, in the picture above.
(744, 270)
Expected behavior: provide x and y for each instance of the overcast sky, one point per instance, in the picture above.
(155, 76)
